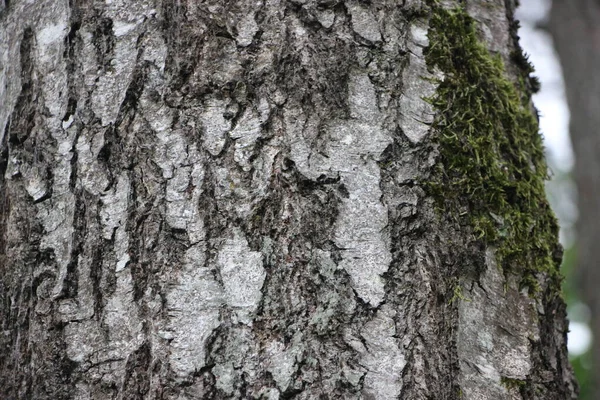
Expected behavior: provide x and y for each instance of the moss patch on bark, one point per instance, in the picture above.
(511, 383)
(492, 169)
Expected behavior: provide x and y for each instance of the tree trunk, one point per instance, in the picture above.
(273, 199)
(575, 27)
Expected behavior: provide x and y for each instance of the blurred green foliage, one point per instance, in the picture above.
(581, 363)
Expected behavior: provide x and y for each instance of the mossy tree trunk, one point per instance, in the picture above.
(273, 199)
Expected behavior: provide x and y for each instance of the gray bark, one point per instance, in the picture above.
(575, 27)
(210, 200)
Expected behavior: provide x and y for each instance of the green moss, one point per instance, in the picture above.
(491, 171)
(511, 383)
(528, 81)
(458, 294)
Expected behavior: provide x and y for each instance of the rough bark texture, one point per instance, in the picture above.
(575, 27)
(225, 199)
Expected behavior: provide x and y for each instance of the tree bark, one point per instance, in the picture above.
(575, 27)
(217, 199)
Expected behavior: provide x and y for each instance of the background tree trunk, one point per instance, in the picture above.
(235, 199)
(575, 27)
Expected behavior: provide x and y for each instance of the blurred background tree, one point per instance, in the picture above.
(569, 31)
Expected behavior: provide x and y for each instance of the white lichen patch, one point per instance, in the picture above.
(37, 186)
(159, 116)
(362, 100)
(246, 29)
(382, 357)
(416, 113)
(49, 48)
(488, 352)
(57, 219)
(230, 68)
(263, 167)
(243, 276)
(364, 22)
(193, 308)
(194, 296)
(121, 332)
(352, 152)
(297, 129)
(10, 79)
(90, 172)
(155, 49)
(122, 28)
(326, 18)
(56, 213)
(112, 84)
(170, 151)
(179, 210)
(108, 344)
(121, 318)
(82, 391)
(240, 361)
(283, 360)
(360, 233)
(51, 34)
(182, 166)
(114, 207)
(81, 339)
(355, 148)
(246, 132)
(215, 126)
(225, 376)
